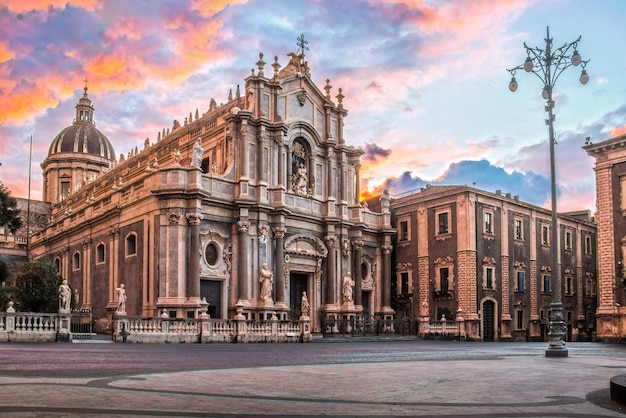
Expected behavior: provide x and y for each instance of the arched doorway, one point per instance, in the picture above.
(298, 284)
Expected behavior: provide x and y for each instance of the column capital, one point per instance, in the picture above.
(387, 247)
(279, 231)
(243, 226)
(331, 241)
(357, 244)
(173, 217)
(194, 218)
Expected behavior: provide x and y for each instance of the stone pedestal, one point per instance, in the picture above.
(305, 329)
(64, 334)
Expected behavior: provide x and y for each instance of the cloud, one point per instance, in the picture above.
(531, 187)
(373, 152)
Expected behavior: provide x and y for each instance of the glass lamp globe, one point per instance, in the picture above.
(584, 77)
(528, 64)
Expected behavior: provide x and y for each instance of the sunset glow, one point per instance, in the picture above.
(425, 82)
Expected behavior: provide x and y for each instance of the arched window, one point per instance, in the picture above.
(100, 253)
(76, 261)
(57, 264)
(131, 244)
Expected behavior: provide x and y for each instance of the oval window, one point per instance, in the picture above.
(212, 253)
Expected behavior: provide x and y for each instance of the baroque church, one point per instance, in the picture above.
(254, 201)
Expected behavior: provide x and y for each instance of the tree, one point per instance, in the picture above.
(9, 213)
(36, 286)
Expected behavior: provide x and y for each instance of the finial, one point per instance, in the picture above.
(230, 95)
(340, 97)
(260, 63)
(276, 66)
(327, 87)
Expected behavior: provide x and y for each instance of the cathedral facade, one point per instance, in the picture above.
(254, 202)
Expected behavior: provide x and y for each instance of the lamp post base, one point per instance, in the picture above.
(556, 345)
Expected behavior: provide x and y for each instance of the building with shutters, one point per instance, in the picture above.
(487, 257)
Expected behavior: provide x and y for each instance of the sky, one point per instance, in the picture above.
(425, 81)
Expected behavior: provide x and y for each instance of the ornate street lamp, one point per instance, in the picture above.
(548, 64)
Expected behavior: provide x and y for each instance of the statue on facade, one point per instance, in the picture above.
(347, 287)
(304, 305)
(266, 278)
(65, 297)
(198, 151)
(299, 182)
(121, 298)
(176, 156)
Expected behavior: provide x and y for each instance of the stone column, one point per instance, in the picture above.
(331, 275)
(279, 233)
(114, 239)
(386, 248)
(86, 296)
(279, 163)
(242, 267)
(358, 293)
(193, 279)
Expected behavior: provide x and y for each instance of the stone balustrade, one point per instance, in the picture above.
(206, 330)
(51, 327)
(28, 327)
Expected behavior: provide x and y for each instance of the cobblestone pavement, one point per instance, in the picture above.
(390, 378)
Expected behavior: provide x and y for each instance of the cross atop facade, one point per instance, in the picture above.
(302, 44)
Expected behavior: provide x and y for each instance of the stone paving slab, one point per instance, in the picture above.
(513, 386)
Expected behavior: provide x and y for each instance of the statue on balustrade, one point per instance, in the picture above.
(65, 297)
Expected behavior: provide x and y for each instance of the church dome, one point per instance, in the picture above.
(82, 137)
(77, 155)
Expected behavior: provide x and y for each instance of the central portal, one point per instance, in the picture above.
(299, 282)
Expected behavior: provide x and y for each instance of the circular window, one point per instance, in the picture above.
(212, 253)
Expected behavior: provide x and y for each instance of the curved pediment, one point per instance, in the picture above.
(305, 245)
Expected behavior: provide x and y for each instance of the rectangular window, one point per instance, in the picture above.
(65, 188)
(443, 223)
(568, 240)
(588, 250)
(444, 276)
(488, 223)
(547, 284)
(545, 235)
(519, 323)
(405, 282)
(521, 281)
(519, 230)
(404, 231)
(489, 280)
(569, 285)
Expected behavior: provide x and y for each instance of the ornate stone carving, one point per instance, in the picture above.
(345, 247)
(173, 217)
(194, 218)
(243, 226)
(279, 231)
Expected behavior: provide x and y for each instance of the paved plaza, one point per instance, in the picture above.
(390, 378)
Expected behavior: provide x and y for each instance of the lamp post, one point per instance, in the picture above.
(548, 64)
